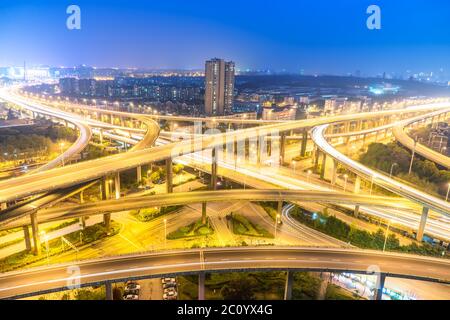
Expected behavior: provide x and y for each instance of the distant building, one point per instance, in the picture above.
(219, 87)
(279, 113)
(87, 87)
(69, 86)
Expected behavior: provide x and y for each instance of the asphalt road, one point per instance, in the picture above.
(57, 277)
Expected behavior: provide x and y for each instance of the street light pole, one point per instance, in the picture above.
(61, 145)
(412, 157)
(165, 233)
(386, 236)
(392, 168)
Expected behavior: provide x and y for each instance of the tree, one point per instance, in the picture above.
(178, 168)
(238, 289)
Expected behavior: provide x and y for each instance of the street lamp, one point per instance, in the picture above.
(412, 156)
(392, 168)
(345, 182)
(61, 145)
(45, 235)
(386, 236)
(448, 191)
(165, 233)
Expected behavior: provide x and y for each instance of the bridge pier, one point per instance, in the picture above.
(334, 172)
(213, 169)
(357, 184)
(139, 174)
(203, 212)
(117, 184)
(304, 144)
(201, 286)
(325, 279)
(316, 158)
(26, 235)
(356, 212)
(109, 291)
(169, 175)
(101, 136)
(423, 222)
(381, 278)
(282, 147)
(288, 285)
(3, 206)
(35, 231)
(106, 196)
(322, 169)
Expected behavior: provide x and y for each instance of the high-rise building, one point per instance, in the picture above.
(69, 86)
(87, 87)
(219, 87)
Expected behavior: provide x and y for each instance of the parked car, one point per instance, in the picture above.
(170, 294)
(132, 285)
(131, 297)
(168, 280)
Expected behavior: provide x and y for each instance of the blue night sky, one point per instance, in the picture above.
(318, 36)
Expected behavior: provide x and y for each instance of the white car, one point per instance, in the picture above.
(131, 285)
(170, 294)
(168, 280)
(131, 297)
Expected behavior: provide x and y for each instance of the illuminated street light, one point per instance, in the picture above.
(45, 236)
(61, 146)
(448, 191)
(165, 233)
(392, 168)
(386, 236)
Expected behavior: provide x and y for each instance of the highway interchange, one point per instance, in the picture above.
(51, 179)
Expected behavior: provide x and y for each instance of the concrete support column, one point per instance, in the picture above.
(26, 235)
(325, 279)
(201, 286)
(280, 208)
(288, 285)
(117, 184)
(169, 175)
(139, 174)
(213, 169)
(304, 143)
(364, 140)
(322, 169)
(316, 159)
(381, 278)
(82, 197)
(204, 212)
(357, 185)
(106, 196)
(334, 172)
(282, 147)
(423, 222)
(356, 212)
(109, 291)
(35, 232)
(101, 136)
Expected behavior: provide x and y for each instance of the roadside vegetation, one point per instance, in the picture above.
(194, 229)
(244, 227)
(338, 229)
(89, 235)
(257, 286)
(425, 174)
(149, 214)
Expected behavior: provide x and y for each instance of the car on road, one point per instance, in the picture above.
(132, 285)
(130, 297)
(169, 285)
(170, 294)
(168, 280)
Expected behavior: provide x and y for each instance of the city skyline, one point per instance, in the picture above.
(295, 37)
